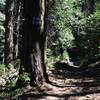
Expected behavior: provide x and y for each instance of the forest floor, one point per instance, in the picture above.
(65, 85)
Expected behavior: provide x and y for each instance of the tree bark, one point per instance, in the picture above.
(34, 40)
(9, 32)
(17, 15)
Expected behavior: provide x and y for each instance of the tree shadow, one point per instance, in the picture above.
(44, 94)
(67, 82)
(83, 88)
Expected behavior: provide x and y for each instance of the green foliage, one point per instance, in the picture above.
(4, 69)
(68, 26)
(91, 40)
(93, 25)
(2, 4)
(24, 79)
(86, 30)
(17, 64)
(60, 36)
(97, 5)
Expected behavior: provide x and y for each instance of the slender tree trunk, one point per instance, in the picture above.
(43, 41)
(19, 29)
(17, 14)
(9, 32)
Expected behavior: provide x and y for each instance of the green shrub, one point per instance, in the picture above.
(24, 79)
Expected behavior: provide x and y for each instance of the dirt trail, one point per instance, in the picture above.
(63, 88)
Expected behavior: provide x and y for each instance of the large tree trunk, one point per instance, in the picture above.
(34, 40)
(9, 32)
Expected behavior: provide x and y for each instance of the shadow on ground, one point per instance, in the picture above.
(66, 84)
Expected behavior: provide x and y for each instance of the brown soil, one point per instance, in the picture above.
(63, 86)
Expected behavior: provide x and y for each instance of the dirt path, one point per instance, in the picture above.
(64, 88)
